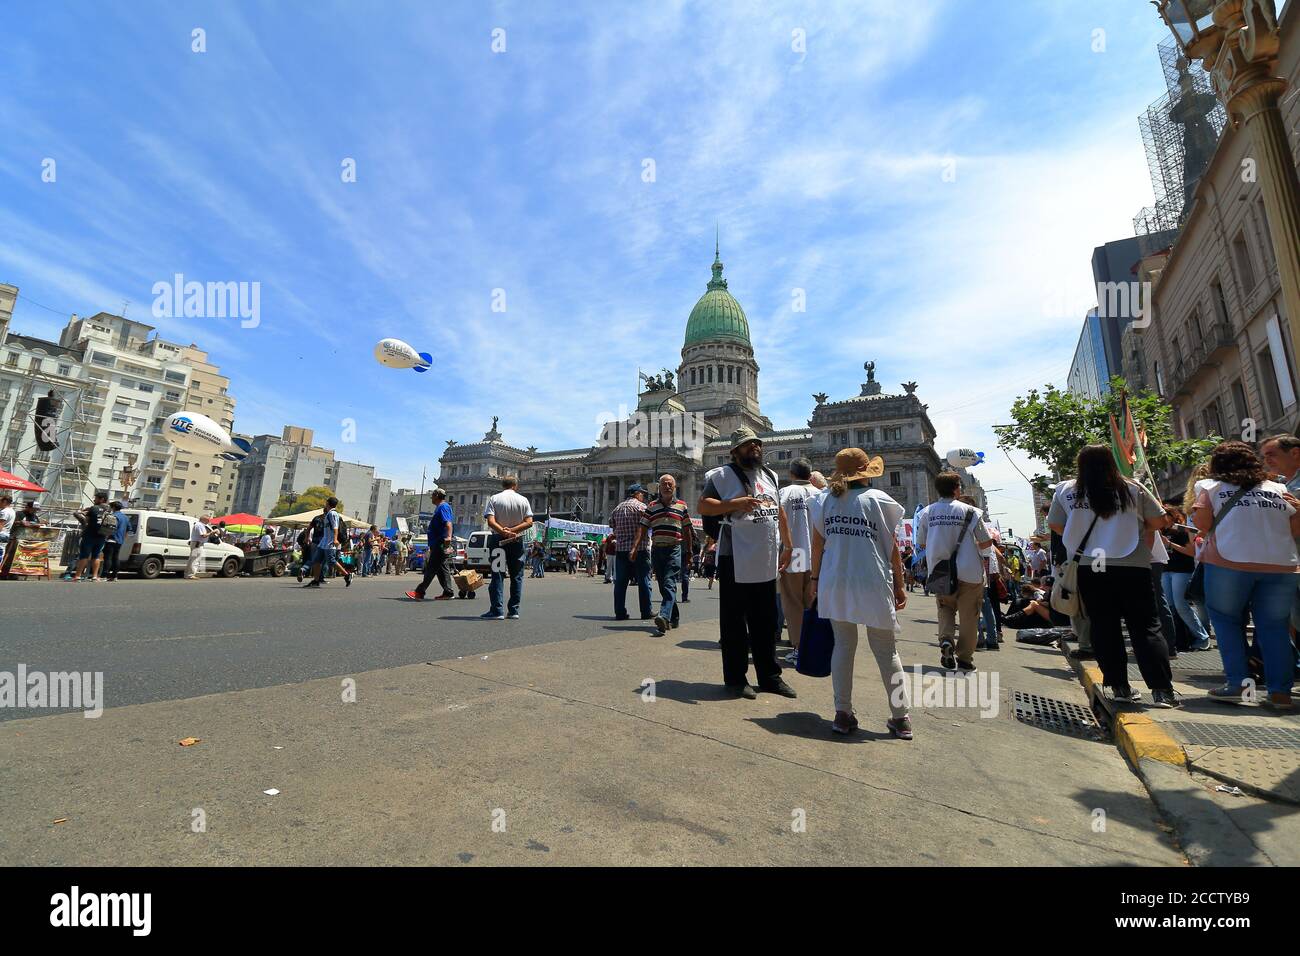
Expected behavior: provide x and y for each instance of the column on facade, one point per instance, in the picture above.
(622, 491)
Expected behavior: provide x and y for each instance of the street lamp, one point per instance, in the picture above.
(1237, 42)
(549, 482)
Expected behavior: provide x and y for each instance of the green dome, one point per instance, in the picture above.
(717, 315)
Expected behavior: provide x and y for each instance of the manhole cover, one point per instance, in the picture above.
(1058, 716)
(1245, 736)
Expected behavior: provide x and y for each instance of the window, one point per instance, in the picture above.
(1210, 416)
(178, 529)
(1160, 382)
(1220, 303)
(65, 369)
(1268, 383)
(177, 377)
(1245, 267)
(144, 387)
(99, 358)
(1239, 404)
(692, 376)
(892, 434)
(730, 373)
(178, 483)
(895, 478)
(710, 374)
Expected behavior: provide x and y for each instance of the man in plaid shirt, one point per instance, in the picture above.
(626, 521)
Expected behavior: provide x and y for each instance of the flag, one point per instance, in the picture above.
(1124, 440)
(1128, 445)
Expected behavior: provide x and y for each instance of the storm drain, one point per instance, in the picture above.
(1058, 716)
(1245, 736)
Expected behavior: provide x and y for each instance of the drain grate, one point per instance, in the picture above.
(1245, 736)
(1058, 716)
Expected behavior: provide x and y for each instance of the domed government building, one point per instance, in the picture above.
(682, 425)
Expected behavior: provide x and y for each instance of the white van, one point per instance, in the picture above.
(477, 554)
(158, 541)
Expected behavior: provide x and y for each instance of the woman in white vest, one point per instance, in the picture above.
(1113, 522)
(857, 579)
(1250, 561)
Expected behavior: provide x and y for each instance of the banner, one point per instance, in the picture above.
(566, 526)
(33, 551)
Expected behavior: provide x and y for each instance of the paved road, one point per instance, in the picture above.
(171, 639)
(620, 749)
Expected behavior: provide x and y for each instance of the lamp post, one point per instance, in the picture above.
(1237, 41)
(548, 482)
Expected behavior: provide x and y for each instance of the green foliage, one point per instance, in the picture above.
(1051, 426)
(310, 500)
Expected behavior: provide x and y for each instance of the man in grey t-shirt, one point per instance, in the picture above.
(509, 515)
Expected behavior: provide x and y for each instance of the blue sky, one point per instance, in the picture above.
(522, 171)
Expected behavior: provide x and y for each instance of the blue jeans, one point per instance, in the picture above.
(988, 622)
(365, 563)
(625, 568)
(1227, 594)
(1176, 591)
(667, 565)
(515, 568)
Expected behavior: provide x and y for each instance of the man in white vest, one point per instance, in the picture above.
(952, 531)
(753, 548)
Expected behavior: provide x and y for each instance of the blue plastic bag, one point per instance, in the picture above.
(816, 644)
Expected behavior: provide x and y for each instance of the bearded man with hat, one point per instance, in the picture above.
(753, 548)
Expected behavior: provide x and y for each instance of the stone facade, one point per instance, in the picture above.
(1219, 346)
(689, 423)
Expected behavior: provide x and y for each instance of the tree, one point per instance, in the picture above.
(1052, 426)
(312, 499)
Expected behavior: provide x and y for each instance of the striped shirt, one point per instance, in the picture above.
(665, 522)
(625, 519)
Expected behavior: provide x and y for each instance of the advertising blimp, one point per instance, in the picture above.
(191, 431)
(397, 354)
(965, 458)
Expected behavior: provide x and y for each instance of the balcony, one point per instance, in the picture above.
(1209, 353)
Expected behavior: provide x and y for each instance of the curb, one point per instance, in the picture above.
(1138, 735)
(1204, 831)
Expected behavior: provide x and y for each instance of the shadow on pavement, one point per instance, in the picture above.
(812, 726)
(689, 692)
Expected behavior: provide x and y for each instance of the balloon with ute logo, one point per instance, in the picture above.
(191, 431)
(395, 353)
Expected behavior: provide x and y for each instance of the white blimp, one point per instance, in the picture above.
(397, 354)
(191, 431)
(965, 458)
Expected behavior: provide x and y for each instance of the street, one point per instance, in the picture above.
(403, 733)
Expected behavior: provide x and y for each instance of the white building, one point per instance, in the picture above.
(117, 382)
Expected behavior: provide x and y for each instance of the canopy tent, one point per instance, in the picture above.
(10, 482)
(241, 523)
(303, 518)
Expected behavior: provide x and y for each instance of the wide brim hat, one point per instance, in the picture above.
(854, 464)
(743, 435)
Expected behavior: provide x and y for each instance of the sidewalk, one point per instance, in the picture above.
(1247, 746)
(556, 754)
(1205, 748)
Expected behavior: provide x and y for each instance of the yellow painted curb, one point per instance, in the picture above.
(1138, 734)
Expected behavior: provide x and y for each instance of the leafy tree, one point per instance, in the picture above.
(310, 500)
(1051, 426)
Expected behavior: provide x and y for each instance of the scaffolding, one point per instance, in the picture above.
(65, 471)
(1180, 131)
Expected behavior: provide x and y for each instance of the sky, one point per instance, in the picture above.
(933, 175)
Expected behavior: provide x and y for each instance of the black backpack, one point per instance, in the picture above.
(713, 524)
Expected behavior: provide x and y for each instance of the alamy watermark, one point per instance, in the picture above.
(208, 300)
(933, 690)
(55, 690)
(653, 429)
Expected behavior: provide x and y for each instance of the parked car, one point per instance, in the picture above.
(158, 541)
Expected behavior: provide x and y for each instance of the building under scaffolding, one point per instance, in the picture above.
(1181, 131)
